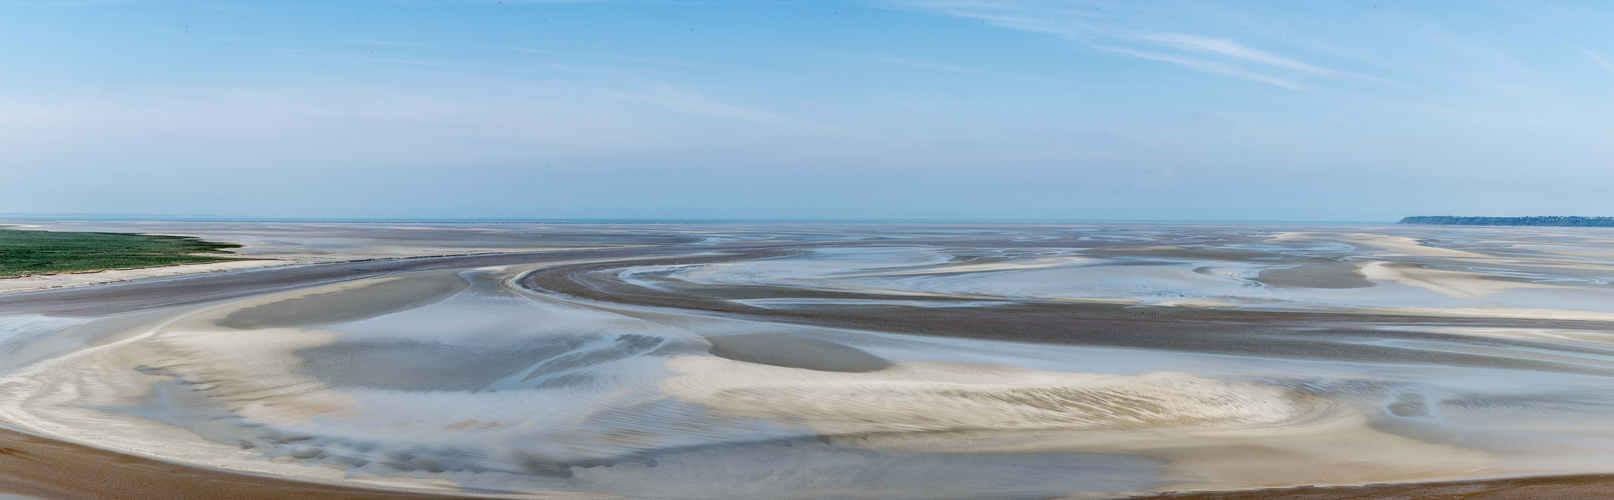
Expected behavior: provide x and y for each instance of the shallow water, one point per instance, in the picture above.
(861, 361)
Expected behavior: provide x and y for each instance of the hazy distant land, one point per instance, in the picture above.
(1561, 221)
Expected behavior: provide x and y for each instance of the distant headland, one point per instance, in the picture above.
(1565, 221)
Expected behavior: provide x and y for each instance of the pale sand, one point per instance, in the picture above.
(57, 397)
(1455, 284)
(1212, 434)
(1555, 334)
(1485, 312)
(1390, 245)
(242, 354)
(252, 376)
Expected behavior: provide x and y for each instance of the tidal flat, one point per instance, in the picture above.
(826, 361)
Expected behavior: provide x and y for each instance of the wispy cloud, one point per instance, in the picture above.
(898, 61)
(364, 57)
(687, 102)
(1593, 55)
(1229, 48)
(1092, 24)
(646, 60)
(1209, 66)
(386, 43)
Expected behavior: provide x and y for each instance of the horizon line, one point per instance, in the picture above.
(85, 217)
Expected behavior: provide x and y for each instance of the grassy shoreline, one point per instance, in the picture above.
(29, 252)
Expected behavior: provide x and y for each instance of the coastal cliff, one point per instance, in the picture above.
(1512, 221)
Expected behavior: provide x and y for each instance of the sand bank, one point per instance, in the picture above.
(857, 362)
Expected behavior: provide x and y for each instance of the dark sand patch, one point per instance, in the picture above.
(1307, 335)
(1194, 253)
(427, 366)
(795, 352)
(399, 294)
(1336, 275)
(406, 365)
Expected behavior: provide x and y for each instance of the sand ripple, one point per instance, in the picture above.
(753, 378)
(943, 397)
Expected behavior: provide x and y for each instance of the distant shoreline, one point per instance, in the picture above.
(1549, 221)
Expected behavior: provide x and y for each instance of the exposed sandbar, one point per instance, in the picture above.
(1336, 275)
(795, 352)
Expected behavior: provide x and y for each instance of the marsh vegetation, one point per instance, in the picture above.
(24, 252)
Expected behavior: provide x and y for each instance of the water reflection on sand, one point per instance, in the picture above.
(815, 361)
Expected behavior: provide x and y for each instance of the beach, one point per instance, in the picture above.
(833, 360)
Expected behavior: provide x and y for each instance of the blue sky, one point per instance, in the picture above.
(881, 109)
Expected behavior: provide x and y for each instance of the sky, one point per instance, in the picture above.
(838, 110)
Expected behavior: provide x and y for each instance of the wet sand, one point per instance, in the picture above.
(851, 362)
(1528, 488)
(48, 468)
(52, 469)
(1290, 334)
